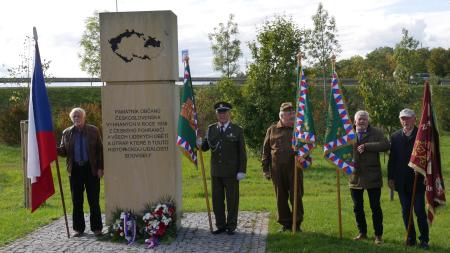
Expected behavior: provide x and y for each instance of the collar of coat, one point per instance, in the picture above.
(367, 129)
(73, 128)
(280, 125)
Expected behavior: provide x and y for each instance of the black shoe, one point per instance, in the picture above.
(230, 231)
(284, 229)
(411, 242)
(98, 233)
(360, 236)
(218, 231)
(424, 246)
(78, 234)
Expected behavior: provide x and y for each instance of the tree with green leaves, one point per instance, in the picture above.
(439, 62)
(90, 45)
(226, 47)
(270, 78)
(349, 68)
(405, 56)
(382, 59)
(323, 42)
(383, 98)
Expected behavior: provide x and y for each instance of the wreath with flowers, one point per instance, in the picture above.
(156, 225)
(157, 221)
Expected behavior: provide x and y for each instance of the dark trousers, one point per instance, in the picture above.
(283, 182)
(223, 187)
(419, 209)
(81, 178)
(358, 209)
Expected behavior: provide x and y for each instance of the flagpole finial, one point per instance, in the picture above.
(35, 36)
(333, 61)
(299, 58)
(185, 56)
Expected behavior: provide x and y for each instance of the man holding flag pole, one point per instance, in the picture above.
(426, 160)
(41, 140)
(304, 139)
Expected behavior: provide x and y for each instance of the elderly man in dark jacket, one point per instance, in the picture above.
(401, 177)
(82, 145)
(367, 174)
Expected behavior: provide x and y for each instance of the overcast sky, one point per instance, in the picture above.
(363, 25)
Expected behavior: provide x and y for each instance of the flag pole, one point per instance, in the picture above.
(338, 187)
(338, 175)
(294, 208)
(205, 189)
(202, 166)
(62, 198)
(411, 208)
(35, 36)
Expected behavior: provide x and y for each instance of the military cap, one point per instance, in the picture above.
(222, 106)
(407, 113)
(286, 106)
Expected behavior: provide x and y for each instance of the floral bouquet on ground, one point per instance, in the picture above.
(159, 221)
(158, 224)
(124, 227)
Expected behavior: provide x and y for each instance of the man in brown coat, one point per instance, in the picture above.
(367, 175)
(278, 162)
(82, 145)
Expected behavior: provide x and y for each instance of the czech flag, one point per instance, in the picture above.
(41, 139)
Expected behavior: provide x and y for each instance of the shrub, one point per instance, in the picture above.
(10, 119)
(62, 119)
(10, 124)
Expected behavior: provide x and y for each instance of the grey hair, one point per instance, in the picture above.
(281, 113)
(77, 109)
(362, 113)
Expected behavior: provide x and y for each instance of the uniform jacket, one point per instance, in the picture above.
(367, 172)
(228, 155)
(398, 169)
(94, 147)
(277, 147)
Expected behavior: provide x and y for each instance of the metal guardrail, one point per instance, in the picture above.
(98, 80)
(209, 80)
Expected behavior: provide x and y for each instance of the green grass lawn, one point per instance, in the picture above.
(320, 229)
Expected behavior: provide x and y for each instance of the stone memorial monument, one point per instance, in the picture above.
(140, 104)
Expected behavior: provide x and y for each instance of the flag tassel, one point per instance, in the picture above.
(62, 197)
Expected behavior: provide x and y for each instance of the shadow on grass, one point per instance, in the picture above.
(319, 242)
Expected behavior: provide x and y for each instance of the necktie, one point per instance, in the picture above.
(222, 130)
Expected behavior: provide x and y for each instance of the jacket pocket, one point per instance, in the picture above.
(354, 179)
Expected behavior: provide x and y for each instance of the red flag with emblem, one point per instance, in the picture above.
(426, 157)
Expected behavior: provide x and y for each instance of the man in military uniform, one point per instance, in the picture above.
(278, 162)
(228, 167)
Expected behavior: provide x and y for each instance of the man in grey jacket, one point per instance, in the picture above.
(367, 175)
